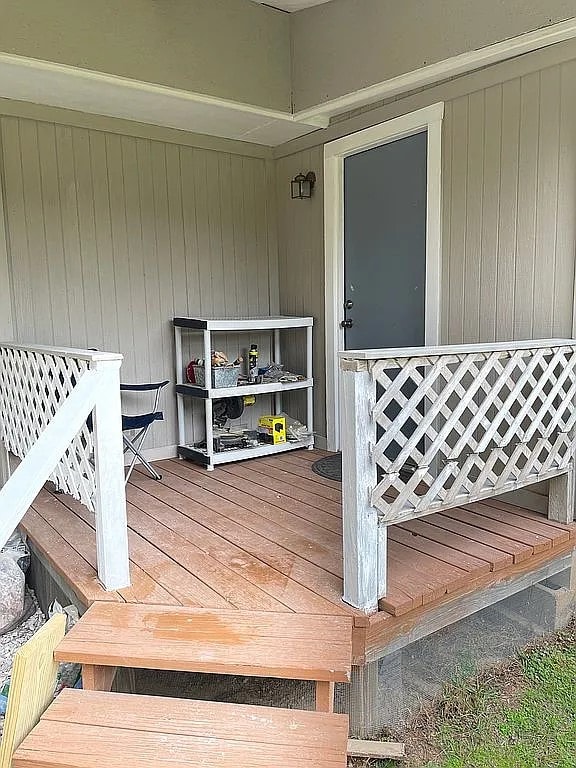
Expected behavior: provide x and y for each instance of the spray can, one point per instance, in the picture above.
(253, 363)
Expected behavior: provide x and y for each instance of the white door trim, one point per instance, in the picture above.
(430, 119)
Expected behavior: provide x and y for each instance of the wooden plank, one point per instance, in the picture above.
(439, 551)
(374, 750)
(319, 554)
(92, 745)
(187, 469)
(473, 514)
(65, 559)
(32, 685)
(434, 577)
(528, 521)
(176, 565)
(532, 514)
(300, 469)
(286, 519)
(195, 725)
(518, 550)
(303, 586)
(61, 513)
(97, 678)
(268, 469)
(494, 557)
(325, 696)
(292, 490)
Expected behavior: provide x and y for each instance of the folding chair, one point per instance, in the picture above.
(141, 423)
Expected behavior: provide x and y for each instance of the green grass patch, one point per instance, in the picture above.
(523, 716)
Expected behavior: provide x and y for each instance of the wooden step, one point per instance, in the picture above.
(261, 644)
(90, 729)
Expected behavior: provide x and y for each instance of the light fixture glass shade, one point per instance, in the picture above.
(301, 185)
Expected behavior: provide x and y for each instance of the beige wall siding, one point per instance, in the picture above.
(509, 197)
(346, 45)
(111, 236)
(301, 272)
(227, 48)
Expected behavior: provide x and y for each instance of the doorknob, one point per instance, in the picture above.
(348, 304)
(347, 323)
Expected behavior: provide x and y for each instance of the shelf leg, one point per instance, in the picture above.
(179, 380)
(309, 375)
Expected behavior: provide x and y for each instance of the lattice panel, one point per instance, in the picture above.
(456, 428)
(33, 386)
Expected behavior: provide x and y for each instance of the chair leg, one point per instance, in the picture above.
(131, 445)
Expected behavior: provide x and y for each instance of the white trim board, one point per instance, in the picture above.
(429, 119)
(443, 70)
(60, 85)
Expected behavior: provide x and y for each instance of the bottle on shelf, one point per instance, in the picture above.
(253, 363)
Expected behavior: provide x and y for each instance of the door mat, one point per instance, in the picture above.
(329, 467)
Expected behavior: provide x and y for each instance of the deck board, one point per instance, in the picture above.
(265, 535)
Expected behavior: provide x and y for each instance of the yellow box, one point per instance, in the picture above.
(272, 429)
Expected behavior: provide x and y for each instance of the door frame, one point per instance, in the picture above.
(429, 119)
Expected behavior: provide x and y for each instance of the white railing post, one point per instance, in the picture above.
(110, 495)
(360, 518)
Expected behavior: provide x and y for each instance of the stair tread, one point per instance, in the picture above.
(263, 644)
(87, 729)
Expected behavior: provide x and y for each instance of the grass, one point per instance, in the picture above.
(522, 715)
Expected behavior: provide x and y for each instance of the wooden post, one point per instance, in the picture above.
(561, 497)
(360, 518)
(4, 465)
(110, 497)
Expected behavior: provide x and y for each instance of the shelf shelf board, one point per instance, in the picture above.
(192, 390)
(238, 454)
(241, 324)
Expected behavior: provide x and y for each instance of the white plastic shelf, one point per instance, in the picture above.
(207, 326)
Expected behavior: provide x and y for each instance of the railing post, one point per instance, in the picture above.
(4, 464)
(110, 495)
(360, 518)
(561, 497)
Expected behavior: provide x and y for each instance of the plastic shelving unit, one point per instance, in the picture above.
(207, 327)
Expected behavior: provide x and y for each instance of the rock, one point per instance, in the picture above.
(12, 590)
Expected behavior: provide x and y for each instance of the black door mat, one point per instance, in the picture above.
(329, 467)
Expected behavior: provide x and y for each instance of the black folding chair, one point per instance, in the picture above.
(141, 424)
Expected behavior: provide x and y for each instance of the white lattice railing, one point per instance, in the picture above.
(60, 414)
(427, 429)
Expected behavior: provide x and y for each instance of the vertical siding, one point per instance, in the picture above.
(111, 236)
(509, 221)
(301, 273)
(510, 190)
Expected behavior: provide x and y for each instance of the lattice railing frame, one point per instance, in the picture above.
(446, 426)
(60, 415)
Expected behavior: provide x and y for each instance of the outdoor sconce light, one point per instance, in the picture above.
(302, 185)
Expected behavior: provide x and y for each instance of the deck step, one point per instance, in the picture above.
(261, 644)
(89, 729)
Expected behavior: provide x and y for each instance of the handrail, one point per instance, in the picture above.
(46, 397)
(431, 428)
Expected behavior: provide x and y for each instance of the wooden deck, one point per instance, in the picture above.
(265, 535)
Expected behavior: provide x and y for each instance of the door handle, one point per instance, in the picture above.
(347, 323)
(348, 304)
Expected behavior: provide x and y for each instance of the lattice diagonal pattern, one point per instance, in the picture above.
(33, 386)
(456, 428)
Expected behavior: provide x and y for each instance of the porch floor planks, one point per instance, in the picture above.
(265, 535)
(319, 586)
(296, 523)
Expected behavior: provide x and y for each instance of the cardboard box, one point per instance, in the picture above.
(272, 429)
